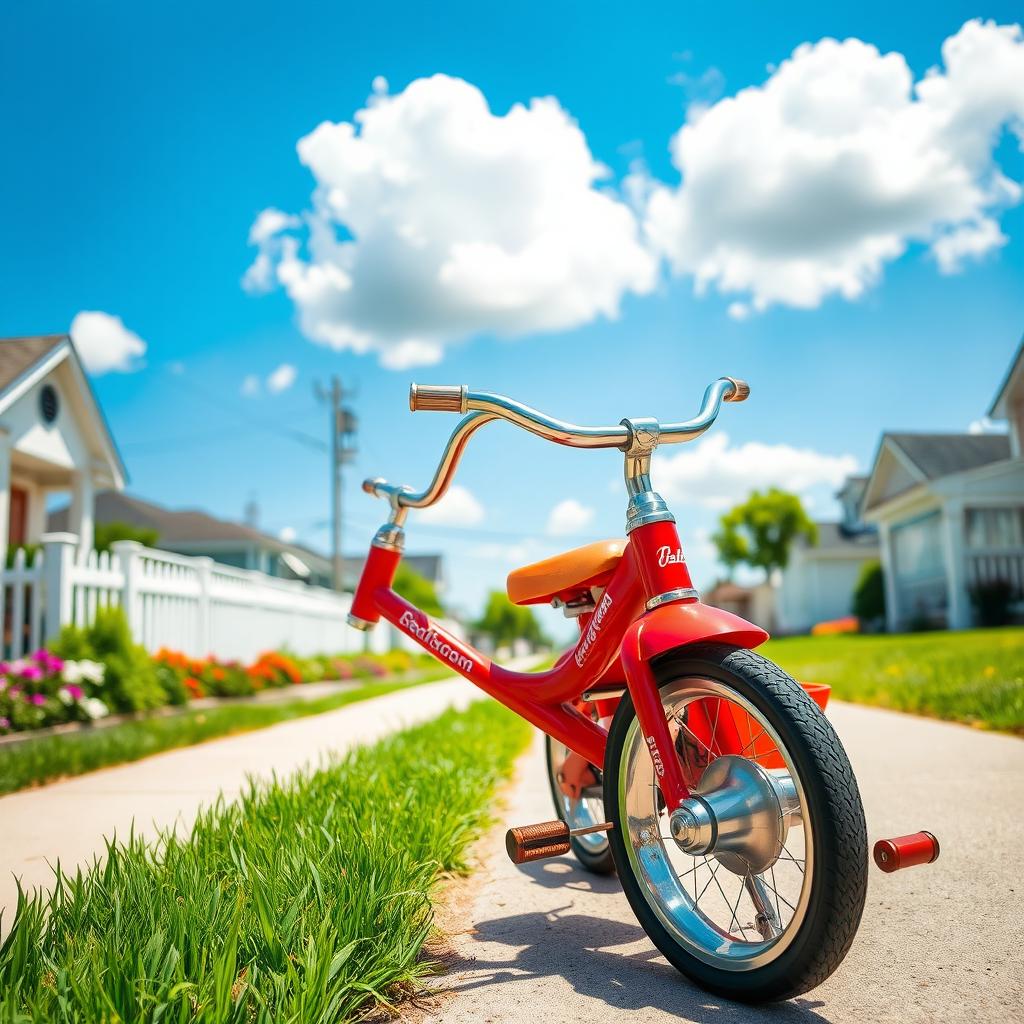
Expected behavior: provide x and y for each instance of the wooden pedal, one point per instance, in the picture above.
(527, 843)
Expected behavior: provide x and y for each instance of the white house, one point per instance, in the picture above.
(818, 584)
(950, 514)
(53, 438)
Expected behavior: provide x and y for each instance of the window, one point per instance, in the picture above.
(920, 567)
(995, 528)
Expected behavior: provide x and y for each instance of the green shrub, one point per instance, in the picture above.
(869, 593)
(131, 682)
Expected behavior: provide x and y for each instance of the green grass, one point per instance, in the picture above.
(308, 900)
(45, 758)
(976, 676)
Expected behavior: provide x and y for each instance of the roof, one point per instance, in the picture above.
(194, 526)
(998, 409)
(837, 537)
(17, 355)
(939, 455)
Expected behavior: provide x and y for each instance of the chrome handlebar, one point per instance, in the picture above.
(481, 407)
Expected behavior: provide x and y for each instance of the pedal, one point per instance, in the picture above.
(527, 843)
(906, 851)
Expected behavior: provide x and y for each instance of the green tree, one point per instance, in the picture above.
(869, 593)
(505, 622)
(760, 532)
(106, 533)
(417, 590)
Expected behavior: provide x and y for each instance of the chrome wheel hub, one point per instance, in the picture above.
(739, 813)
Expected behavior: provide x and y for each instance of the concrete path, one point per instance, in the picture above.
(548, 944)
(67, 820)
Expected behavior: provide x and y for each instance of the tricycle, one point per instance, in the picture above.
(702, 774)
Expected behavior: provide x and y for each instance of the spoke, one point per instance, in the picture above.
(779, 896)
(713, 878)
(739, 896)
(786, 855)
(714, 728)
(752, 742)
(775, 890)
(683, 725)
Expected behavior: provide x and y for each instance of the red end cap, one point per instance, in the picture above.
(906, 851)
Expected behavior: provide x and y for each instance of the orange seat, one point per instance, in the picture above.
(572, 570)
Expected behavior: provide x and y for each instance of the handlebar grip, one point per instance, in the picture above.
(740, 390)
(437, 397)
(370, 485)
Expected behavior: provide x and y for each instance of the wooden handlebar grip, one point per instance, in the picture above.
(437, 397)
(740, 390)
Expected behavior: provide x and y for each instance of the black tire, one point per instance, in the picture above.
(601, 863)
(839, 882)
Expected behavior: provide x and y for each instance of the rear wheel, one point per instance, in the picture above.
(755, 888)
(592, 851)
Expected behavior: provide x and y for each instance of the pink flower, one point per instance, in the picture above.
(39, 699)
(32, 672)
(76, 692)
(5, 723)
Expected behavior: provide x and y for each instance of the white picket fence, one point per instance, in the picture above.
(193, 605)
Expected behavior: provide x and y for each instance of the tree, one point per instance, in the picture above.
(760, 532)
(869, 593)
(105, 534)
(505, 622)
(417, 590)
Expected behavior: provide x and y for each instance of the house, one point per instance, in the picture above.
(754, 603)
(818, 583)
(950, 514)
(194, 532)
(53, 438)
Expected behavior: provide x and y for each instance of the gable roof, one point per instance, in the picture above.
(837, 537)
(27, 359)
(939, 455)
(998, 409)
(17, 355)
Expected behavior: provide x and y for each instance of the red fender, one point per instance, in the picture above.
(675, 625)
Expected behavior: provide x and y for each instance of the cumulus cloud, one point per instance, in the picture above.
(104, 344)
(282, 378)
(807, 185)
(251, 387)
(716, 475)
(457, 508)
(434, 219)
(568, 517)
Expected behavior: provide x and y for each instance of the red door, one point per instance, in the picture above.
(18, 517)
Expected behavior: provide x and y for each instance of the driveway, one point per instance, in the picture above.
(547, 943)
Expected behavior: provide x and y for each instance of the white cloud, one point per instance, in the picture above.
(808, 185)
(287, 534)
(568, 517)
(282, 378)
(986, 426)
(457, 508)
(251, 386)
(434, 219)
(514, 554)
(104, 344)
(717, 476)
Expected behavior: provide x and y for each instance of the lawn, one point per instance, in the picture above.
(45, 758)
(308, 900)
(976, 676)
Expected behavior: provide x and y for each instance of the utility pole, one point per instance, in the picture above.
(343, 426)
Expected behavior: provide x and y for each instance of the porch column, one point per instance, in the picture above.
(957, 600)
(892, 611)
(5, 498)
(81, 519)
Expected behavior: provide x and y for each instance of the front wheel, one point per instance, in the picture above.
(756, 891)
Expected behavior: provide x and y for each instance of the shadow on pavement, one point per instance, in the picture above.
(583, 950)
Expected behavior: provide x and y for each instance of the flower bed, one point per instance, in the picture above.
(92, 673)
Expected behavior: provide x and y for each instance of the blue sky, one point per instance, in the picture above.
(141, 142)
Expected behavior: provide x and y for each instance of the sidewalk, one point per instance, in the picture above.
(69, 820)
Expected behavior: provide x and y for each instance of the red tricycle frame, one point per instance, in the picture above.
(635, 619)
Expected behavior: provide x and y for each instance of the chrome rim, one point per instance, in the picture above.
(588, 810)
(715, 906)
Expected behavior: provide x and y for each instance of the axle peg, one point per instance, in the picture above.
(906, 851)
(548, 839)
